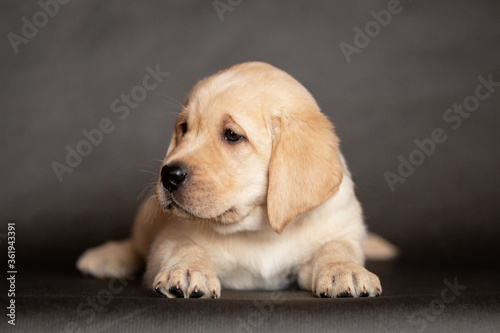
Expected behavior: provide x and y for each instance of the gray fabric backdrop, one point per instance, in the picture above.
(64, 72)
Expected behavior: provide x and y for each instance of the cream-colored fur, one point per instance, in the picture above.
(275, 206)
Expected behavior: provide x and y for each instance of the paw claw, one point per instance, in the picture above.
(176, 291)
(160, 290)
(364, 293)
(344, 294)
(196, 294)
(325, 294)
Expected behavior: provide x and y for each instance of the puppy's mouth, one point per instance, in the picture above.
(170, 204)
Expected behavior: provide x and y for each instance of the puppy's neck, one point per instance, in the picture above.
(255, 220)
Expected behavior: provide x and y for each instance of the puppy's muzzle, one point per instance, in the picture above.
(173, 176)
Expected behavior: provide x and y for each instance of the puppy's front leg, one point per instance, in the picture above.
(336, 270)
(180, 268)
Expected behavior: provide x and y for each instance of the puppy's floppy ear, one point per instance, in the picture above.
(305, 169)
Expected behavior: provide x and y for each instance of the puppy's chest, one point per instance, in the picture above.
(245, 264)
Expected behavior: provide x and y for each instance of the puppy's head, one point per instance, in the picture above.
(249, 141)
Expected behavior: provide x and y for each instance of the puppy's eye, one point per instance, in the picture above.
(184, 128)
(231, 136)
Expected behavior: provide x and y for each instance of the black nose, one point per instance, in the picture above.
(173, 176)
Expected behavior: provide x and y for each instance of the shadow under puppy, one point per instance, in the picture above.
(253, 194)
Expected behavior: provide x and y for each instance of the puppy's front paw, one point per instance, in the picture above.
(344, 279)
(110, 260)
(180, 282)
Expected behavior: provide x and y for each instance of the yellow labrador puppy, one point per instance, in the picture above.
(253, 194)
